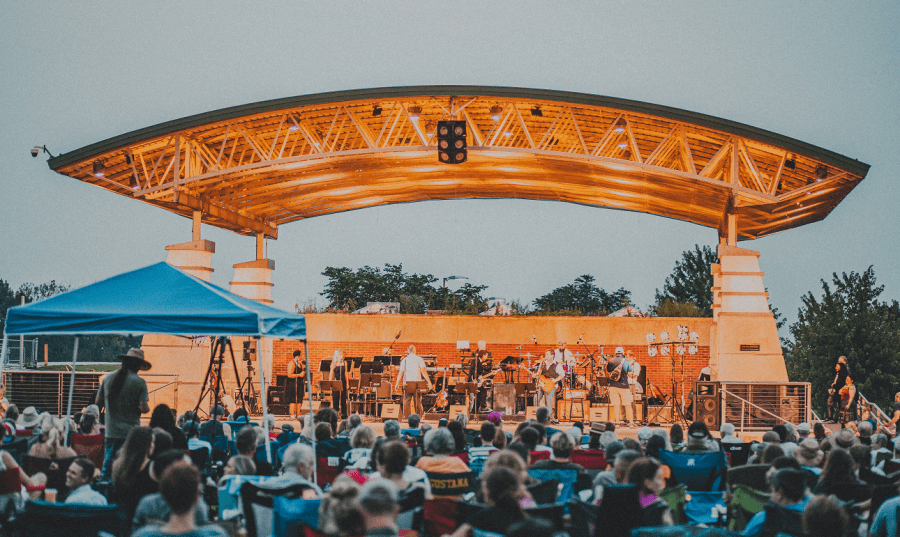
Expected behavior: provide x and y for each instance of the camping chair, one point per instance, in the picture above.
(781, 520)
(737, 453)
(745, 502)
(699, 510)
(89, 445)
(880, 494)
(619, 512)
(853, 492)
(10, 494)
(676, 497)
(229, 493)
(455, 484)
(259, 504)
(200, 458)
(18, 449)
(54, 469)
(583, 518)
(590, 459)
(882, 456)
(261, 456)
(45, 519)
(545, 491)
(327, 470)
(539, 456)
(439, 517)
(463, 456)
(476, 532)
(750, 475)
(702, 472)
(566, 477)
(289, 513)
(891, 467)
(553, 512)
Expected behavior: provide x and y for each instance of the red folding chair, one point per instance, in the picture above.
(325, 473)
(590, 459)
(439, 517)
(539, 456)
(89, 445)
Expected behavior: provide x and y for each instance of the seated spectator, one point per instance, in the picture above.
(845, 439)
(512, 461)
(11, 415)
(519, 449)
(191, 430)
(699, 439)
(618, 474)
(631, 443)
(393, 460)
(542, 441)
(410, 474)
(887, 521)
(162, 441)
(28, 420)
(865, 432)
(338, 513)
(164, 418)
(654, 446)
(819, 432)
(880, 445)
(269, 426)
(593, 442)
(90, 425)
(246, 441)
(646, 475)
(214, 426)
(542, 416)
(190, 415)
(330, 446)
(439, 444)
(825, 516)
(643, 435)
(728, 436)
(861, 455)
(459, 436)
(239, 465)
(479, 454)
(662, 433)
(530, 437)
(839, 470)
(37, 481)
(131, 471)
(392, 430)
(78, 480)
(413, 421)
(563, 445)
(676, 436)
(153, 508)
(810, 456)
(362, 439)
(500, 440)
(180, 488)
(379, 507)
(50, 446)
(297, 469)
(503, 491)
(788, 489)
(772, 452)
(352, 422)
(803, 431)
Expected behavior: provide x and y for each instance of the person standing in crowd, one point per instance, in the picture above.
(295, 384)
(125, 397)
(339, 372)
(842, 371)
(550, 370)
(620, 396)
(847, 395)
(412, 369)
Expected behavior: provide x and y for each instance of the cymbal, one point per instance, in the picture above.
(527, 355)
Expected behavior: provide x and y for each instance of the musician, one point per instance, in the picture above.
(295, 385)
(549, 369)
(634, 383)
(339, 372)
(477, 368)
(842, 371)
(618, 368)
(412, 369)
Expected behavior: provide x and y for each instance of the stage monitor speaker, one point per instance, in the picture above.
(279, 409)
(390, 411)
(599, 414)
(458, 409)
(505, 398)
(706, 404)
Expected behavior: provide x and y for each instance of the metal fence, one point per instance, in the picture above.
(761, 405)
(21, 353)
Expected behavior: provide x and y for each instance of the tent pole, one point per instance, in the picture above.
(71, 388)
(262, 394)
(3, 351)
(309, 395)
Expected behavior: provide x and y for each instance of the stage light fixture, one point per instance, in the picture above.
(99, 168)
(680, 350)
(664, 351)
(821, 173)
(695, 336)
(651, 338)
(692, 350)
(536, 111)
(294, 127)
(495, 113)
(664, 337)
(135, 185)
(651, 351)
(376, 111)
(623, 145)
(682, 333)
(619, 130)
(452, 146)
(429, 129)
(507, 134)
(415, 112)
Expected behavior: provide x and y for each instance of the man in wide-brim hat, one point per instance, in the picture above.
(28, 418)
(125, 397)
(810, 455)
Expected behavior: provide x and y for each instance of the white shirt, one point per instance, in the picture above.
(85, 495)
(564, 356)
(410, 368)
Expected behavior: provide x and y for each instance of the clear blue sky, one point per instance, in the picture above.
(75, 73)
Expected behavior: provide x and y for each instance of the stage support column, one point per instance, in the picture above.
(253, 280)
(193, 257)
(746, 346)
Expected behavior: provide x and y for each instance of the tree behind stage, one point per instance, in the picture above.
(848, 320)
(688, 290)
(582, 298)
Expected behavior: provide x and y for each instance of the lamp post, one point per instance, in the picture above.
(453, 278)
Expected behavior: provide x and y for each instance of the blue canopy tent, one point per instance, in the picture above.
(159, 299)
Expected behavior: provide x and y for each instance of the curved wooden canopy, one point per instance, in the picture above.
(252, 168)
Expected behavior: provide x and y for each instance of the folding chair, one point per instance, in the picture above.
(853, 492)
(19, 448)
(583, 518)
(541, 455)
(619, 512)
(327, 470)
(553, 512)
(781, 520)
(676, 498)
(590, 459)
(455, 484)
(699, 510)
(289, 513)
(566, 477)
(891, 466)
(45, 519)
(54, 469)
(259, 504)
(702, 472)
(229, 492)
(463, 456)
(745, 502)
(737, 453)
(750, 475)
(89, 445)
(439, 517)
(545, 491)
(200, 458)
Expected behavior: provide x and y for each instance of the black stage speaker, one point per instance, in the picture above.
(505, 398)
(706, 403)
(279, 409)
(275, 395)
(452, 142)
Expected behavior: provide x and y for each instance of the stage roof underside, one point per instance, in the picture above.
(255, 167)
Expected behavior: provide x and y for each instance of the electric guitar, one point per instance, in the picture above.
(545, 384)
(443, 398)
(487, 376)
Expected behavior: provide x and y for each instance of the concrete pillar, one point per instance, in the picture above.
(193, 257)
(747, 345)
(253, 280)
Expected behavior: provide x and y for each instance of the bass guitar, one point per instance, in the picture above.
(486, 377)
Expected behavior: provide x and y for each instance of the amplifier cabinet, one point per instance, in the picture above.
(599, 413)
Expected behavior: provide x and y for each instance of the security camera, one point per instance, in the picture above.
(34, 151)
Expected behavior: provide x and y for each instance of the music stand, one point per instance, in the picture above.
(396, 359)
(385, 360)
(331, 385)
(466, 388)
(368, 381)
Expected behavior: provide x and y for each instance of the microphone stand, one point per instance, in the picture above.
(519, 348)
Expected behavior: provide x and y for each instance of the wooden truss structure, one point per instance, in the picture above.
(253, 168)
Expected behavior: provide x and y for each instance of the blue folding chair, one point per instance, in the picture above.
(566, 478)
(291, 513)
(702, 472)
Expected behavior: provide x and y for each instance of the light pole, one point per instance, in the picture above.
(453, 278)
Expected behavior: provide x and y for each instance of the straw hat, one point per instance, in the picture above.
(809, 453)
(845, 439)
(137, 355)
(28, 418)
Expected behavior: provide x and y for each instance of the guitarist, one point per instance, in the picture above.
(549, 373)
(620, 395)
(477, 369)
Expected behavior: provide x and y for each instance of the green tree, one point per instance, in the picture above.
(848, 320)
(582, 297)
(349, 290)
(691, 281)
